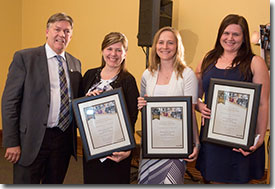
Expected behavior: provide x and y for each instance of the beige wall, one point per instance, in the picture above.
(10, 32)
(24, 25)
(198, 22)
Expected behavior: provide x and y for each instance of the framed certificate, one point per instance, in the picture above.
(104, 124)
(167, 130)
(234, 109)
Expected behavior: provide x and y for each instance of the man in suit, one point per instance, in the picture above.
(39, 131)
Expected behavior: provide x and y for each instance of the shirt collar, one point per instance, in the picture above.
(50, 53)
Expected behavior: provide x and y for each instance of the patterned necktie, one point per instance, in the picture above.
(64, 114)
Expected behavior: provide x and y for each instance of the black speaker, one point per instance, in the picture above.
(153, 15)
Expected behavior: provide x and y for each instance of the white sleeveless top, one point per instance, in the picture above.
(161, 90)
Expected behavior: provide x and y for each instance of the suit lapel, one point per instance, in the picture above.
(43, 65)
(70, 66)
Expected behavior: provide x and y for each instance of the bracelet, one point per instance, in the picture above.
(201, 100)
(197, 145)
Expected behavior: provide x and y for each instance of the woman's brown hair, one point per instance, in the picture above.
(244, 55)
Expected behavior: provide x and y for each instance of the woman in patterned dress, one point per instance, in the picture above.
(168, 75)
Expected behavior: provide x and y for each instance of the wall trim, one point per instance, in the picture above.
(1, 137)
(79, 146)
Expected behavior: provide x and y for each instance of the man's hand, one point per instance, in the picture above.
(13, 154)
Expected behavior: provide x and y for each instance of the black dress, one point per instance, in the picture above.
(219, 163)
(110, 172)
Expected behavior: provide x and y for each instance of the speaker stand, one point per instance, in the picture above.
(147, 56)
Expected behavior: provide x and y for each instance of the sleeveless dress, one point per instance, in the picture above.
(219, 163)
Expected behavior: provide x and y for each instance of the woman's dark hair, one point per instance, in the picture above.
(244, 55)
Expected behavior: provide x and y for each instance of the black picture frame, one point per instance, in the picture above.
(234, 109)
(104, 124)
(167, 127)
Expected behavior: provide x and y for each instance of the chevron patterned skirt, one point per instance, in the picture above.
(161, 171)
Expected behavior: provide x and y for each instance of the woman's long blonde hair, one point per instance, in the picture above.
(179, 63)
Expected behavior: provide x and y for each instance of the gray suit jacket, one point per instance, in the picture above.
(26, 100)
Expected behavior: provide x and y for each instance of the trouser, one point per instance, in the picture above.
(52, 161)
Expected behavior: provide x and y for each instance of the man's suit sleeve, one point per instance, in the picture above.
(11, 101)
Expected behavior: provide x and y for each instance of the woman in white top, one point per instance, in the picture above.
(168, 75)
